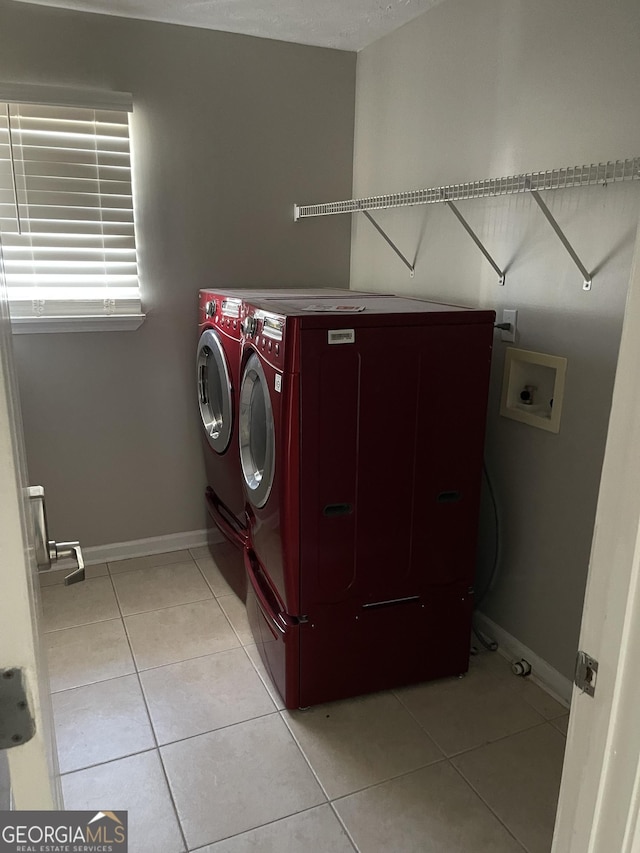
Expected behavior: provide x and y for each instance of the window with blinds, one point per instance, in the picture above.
(66, 215)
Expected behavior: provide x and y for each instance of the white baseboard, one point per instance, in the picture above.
(144, 547)
(542, 673)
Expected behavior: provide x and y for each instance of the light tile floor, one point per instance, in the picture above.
(162, 707)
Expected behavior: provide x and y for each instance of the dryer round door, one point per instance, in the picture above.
(214, 391)
(257, 433)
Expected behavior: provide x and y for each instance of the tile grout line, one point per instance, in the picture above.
(499, 739)
(563, 713)
(84, 625)
(109, 761)
(204, 578)
(158, 747)
(171, 797)
(302, 752)
(345, 829)
(208, 546)
(259, 826)
(171, 606)
(535, 725)
(486, 804)
(81, 625)
(242, 645)
(379, 784)
(553, 723)
(215, 731)
(443, 760)
(92, 683)
(168, 607)
(128, 675)
(153, 731)
(422, 726)
(109, 563)
(262, 681)
(522, 695)
(51, 588)
(139, 671)
(220, 606)
(268, 823)
(142, 669)
(197, 561)
(137, 668)
(365, 787)
(390, 779)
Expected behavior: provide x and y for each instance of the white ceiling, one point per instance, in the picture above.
(344, 24)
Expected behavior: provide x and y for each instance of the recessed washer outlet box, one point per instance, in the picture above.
(533, 388)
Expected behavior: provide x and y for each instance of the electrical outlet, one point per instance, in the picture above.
(510, 315)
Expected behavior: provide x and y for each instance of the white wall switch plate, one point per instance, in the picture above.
(510, 315)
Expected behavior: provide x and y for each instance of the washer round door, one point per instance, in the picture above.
(214, 391)
(257, 433)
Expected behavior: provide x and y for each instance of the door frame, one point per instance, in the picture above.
(33, 766)
(599, 803)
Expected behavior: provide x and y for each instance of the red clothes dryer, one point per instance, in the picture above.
(361, 441)
(217, 373)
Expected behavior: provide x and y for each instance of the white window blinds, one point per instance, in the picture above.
(66, 212)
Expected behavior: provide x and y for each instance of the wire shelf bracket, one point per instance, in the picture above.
(613, 171)
(386, 237)
(586, 275)
(477, 241)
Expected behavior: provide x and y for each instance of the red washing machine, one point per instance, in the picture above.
(361, 441)
(217, 367)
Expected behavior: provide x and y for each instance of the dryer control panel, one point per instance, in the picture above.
(266, 332)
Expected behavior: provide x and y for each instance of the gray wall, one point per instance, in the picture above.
(229, 131)
(5, 783)
(483, 89)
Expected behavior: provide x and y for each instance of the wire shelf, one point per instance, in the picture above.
(552, 179)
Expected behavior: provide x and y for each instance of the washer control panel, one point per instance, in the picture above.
(266, 332)
(220, 312)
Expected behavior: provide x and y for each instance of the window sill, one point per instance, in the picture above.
(111, 323)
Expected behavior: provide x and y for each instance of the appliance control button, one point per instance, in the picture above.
(277, 349)
(269, 346)
(235, 324)
(210, 308)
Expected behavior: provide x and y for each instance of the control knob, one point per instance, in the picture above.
(210, 309)
(249, 326)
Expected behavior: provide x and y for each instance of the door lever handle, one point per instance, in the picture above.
(57, 550)
(47, 550)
